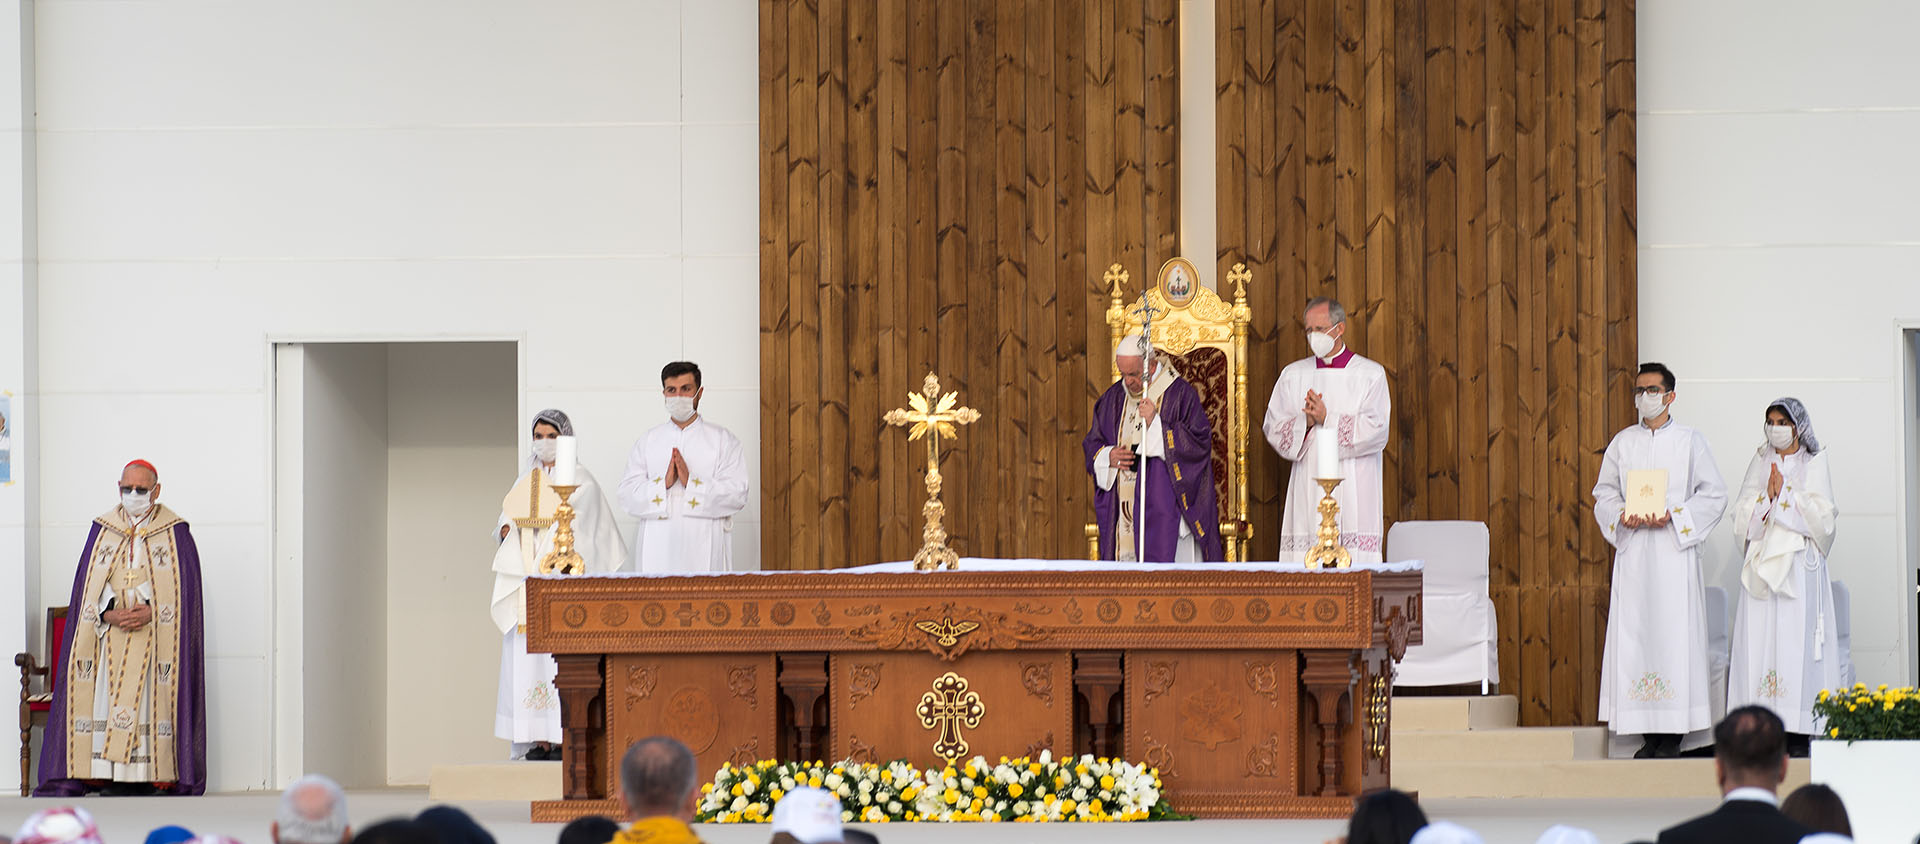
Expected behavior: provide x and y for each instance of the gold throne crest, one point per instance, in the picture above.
(1205, 338)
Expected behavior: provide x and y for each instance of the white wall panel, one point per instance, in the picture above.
(238, 721)
(727, 349)
(358, 62)
(1776, 54)
(208, 447)
(342, 193)
(725, 163)
(721, 68)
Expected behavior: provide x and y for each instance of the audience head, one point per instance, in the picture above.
(657, 778)
(169, 835)
(397, 831)
(1750, 749)
(1818, 808)
(1385, 817)
(1561, 834)
(1445, 832)
(592, 829)
(59, 825)
(312, 811)
(809, 816)
(454, 826)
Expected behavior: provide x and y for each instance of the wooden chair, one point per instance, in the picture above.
(35, 706)
(1206, 340)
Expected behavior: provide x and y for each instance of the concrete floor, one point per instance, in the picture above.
(126, 820)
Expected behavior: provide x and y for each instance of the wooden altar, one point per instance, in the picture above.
(1256, 691)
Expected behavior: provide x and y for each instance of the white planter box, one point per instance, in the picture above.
(1880, 783)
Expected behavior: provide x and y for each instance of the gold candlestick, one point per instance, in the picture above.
(563, 559)
(1327, 550)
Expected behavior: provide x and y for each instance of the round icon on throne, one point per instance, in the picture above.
(1179, 282)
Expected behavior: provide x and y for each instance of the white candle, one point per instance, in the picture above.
(1326, 448)
(565, 457)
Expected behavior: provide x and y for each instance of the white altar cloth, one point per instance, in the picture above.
(982, 564)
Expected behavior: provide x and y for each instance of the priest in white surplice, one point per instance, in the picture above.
(1785, 646)
(686, 478)
(527, 708)
(1654, 671)
(1335, 393)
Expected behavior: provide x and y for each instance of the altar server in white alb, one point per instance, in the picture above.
(527, 709)
(1654, 671)
(1785, 646)
(685, 480)
(1341, 397)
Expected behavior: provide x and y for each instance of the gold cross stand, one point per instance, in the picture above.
(933, 416)
(562, 559)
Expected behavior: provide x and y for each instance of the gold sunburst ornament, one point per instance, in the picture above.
(933, 416)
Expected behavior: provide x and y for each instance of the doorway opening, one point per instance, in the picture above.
(387, 462)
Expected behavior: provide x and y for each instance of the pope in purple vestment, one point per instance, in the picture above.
(1178, 486)
(129, 701)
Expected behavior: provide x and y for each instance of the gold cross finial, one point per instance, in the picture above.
(1239, 276)
(930, 413)
(1115, 277)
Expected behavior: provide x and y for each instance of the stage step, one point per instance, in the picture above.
(1609, 778)
(1501, 744)
(495, 781)
(1447, 714)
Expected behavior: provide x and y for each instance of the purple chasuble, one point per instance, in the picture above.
(190, 716)
(1187, 493)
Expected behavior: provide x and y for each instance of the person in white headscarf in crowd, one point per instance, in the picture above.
(1445, 832)
(1563, 834)
(59, 825)
(527, 708)
(1785, 641)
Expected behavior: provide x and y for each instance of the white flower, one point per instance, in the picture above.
(866, 799)
(894, 807)
(833, 781)
(747, 786)
(846, 816)
(843, 790)
(1079, 794)
(1046, 757)
(787, 783)
(739, 804)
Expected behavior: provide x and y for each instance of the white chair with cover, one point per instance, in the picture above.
(1458, 621)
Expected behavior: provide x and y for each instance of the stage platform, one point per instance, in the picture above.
(1444, 747)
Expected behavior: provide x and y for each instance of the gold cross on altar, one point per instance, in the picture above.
(933, 416)
(948, 708)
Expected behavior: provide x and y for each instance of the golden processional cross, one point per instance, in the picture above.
(948, 708)
(933, 416)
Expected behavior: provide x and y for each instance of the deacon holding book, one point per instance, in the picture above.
(1658, 496)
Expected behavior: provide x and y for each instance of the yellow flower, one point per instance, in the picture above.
(952, 796)
(1822, 697)
(1106, 782)
(1014, 790)
(979, 791)
(706, 789)
(777, 794)
(1833, 732)
(736, 791)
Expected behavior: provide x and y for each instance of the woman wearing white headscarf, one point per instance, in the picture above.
(1785, 646)
(527, 708)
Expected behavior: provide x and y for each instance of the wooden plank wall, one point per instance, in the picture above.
(942, 185)
(1460, 174)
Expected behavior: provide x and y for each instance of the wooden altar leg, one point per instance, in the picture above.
(1329, 677)
(803, 682)
(1097, 677)
(580, 679)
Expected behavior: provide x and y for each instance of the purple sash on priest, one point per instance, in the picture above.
(1178, 487)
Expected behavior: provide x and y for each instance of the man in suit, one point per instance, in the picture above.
(1750, 760)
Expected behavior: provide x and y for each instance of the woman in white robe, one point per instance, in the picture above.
(527, 708)
(1785, 642)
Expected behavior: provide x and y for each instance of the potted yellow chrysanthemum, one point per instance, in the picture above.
(1870, 754)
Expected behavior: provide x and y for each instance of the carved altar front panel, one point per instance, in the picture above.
(1027, 698)
(723, 707)
(1220, 725)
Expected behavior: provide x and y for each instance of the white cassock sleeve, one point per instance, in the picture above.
(1608, 501)
(1365, 432)
(1286, 424)
(1103, 472)
(642, 493)
(1706, 502)
(725, 492)
(1750, 505)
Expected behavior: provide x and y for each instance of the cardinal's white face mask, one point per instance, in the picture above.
(545, 450)
(1650, 405)
(680, 408)
(136, 503)
(1780, 436)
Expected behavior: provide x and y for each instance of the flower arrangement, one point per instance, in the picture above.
(1087, 790)
(1859, 713)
